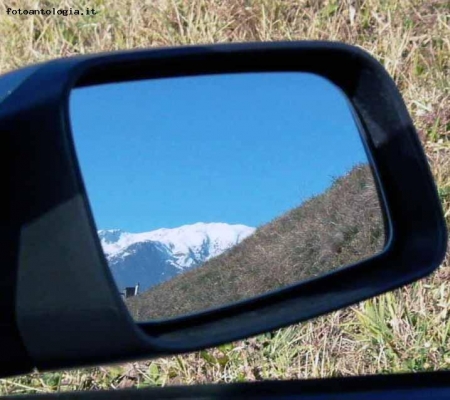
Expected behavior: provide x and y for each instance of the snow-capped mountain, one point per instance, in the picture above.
(149, 258)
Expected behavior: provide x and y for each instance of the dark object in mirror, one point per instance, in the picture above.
(238, 185)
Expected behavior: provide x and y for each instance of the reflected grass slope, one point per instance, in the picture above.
(339, 227)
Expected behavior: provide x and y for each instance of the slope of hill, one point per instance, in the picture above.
(338, 227)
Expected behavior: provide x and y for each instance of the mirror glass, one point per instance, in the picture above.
(209, 190)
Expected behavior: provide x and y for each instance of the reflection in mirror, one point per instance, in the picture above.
(210, 190)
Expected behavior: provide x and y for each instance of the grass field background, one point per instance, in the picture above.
(406, 330)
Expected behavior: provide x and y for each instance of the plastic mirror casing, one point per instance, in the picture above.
(59, 304)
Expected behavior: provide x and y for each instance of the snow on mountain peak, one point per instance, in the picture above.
(182, 241)
(110, 235)
(149, 258)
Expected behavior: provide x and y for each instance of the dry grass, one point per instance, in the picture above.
(407, 330)
(339, 227)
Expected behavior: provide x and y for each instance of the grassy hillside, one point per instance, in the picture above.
(336, 228)
(406, 330)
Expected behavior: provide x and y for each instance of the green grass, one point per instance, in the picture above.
(407, 330)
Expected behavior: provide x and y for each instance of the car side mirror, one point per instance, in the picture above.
(168, 200)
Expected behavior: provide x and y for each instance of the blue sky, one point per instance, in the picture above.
(236, 148)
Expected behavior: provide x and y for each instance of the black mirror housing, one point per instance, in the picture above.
(60, 306)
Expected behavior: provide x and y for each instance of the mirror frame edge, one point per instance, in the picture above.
(149, 340)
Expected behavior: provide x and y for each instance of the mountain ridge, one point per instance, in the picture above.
(152, 257)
